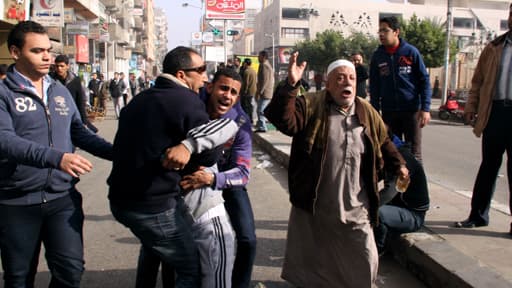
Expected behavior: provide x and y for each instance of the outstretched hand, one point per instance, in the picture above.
(295, 70)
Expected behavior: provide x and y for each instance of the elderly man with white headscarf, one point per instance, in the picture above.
(340, 144)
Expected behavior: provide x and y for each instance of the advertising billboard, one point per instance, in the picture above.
(225, 9)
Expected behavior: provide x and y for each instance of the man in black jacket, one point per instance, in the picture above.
(144, 190)
(402, 212)
(74, 85)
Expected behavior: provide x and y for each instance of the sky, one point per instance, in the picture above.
(183, 21)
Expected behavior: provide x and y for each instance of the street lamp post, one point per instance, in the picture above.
(447, 52)
(185, 5)
(271, 35)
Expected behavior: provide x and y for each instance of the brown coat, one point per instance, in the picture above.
(249, 82)
(304, 118)
(483, 83)
(265, 84)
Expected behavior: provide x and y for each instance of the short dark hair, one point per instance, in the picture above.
(264, 54)
(392, 22)
(177, 59)
(62, 58)
(16, 36)
(229, 73)
(248, 61)
(3, 69)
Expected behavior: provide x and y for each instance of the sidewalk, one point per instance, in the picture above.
(440, 255)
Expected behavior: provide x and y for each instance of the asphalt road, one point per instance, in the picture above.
(111, 250)
(452, 155)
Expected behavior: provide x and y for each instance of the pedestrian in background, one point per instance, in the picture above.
(124, 86)
(489, 110)
(400, 85)
(94, 87)
(134, 85)
(319, 80)
(39, 203)
(339, 146)
(74, 85)
(249, 79)
(361, 73)
(103, 94)
(116, 94)
(264, 89)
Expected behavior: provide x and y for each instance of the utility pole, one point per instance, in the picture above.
(271, 35)
(447, 51)
(224, 37)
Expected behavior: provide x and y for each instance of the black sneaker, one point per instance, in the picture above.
(468, 223)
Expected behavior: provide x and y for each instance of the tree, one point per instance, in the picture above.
(330, 45)
(429, 36)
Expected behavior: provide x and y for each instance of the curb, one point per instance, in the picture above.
(425, 254)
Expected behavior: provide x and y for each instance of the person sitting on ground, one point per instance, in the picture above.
(402, 212)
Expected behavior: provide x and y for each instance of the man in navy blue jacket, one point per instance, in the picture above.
(400, 85)
(40, 126)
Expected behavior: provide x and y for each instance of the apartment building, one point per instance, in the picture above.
(98, 35)
(289, 21)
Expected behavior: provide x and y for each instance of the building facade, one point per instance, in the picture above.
(289, 21)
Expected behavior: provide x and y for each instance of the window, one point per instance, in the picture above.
(294, 33)
(463, 23)
(291, 13)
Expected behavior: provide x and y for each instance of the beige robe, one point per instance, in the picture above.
(335, 246)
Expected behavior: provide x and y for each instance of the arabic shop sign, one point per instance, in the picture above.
(225, 9)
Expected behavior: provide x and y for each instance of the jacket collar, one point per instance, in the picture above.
(173, 79)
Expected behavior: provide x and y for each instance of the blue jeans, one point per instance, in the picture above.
(168, 235)
(239, 208)
(396, 219)
(56, 224)
(262, 121)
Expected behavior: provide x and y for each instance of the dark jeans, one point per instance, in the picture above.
(405, 126)
(396, 219)
(496, 139)
(58, 225)
(246, 103)
(147, 270)
(239, 208)
(168, 235)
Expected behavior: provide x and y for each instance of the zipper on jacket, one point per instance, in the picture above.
(393, 74)
(50, 143)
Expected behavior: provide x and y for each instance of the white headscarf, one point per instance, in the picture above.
(339, 63)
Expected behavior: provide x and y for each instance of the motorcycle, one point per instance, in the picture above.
(454, 107)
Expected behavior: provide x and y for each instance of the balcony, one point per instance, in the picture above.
(138, 3)
(138, 24)
(139, 48)
(118, 34)
(122, 52)
(113, 6)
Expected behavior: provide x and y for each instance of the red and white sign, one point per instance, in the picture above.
(196, 38)
(82, 49)
(225, 9)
